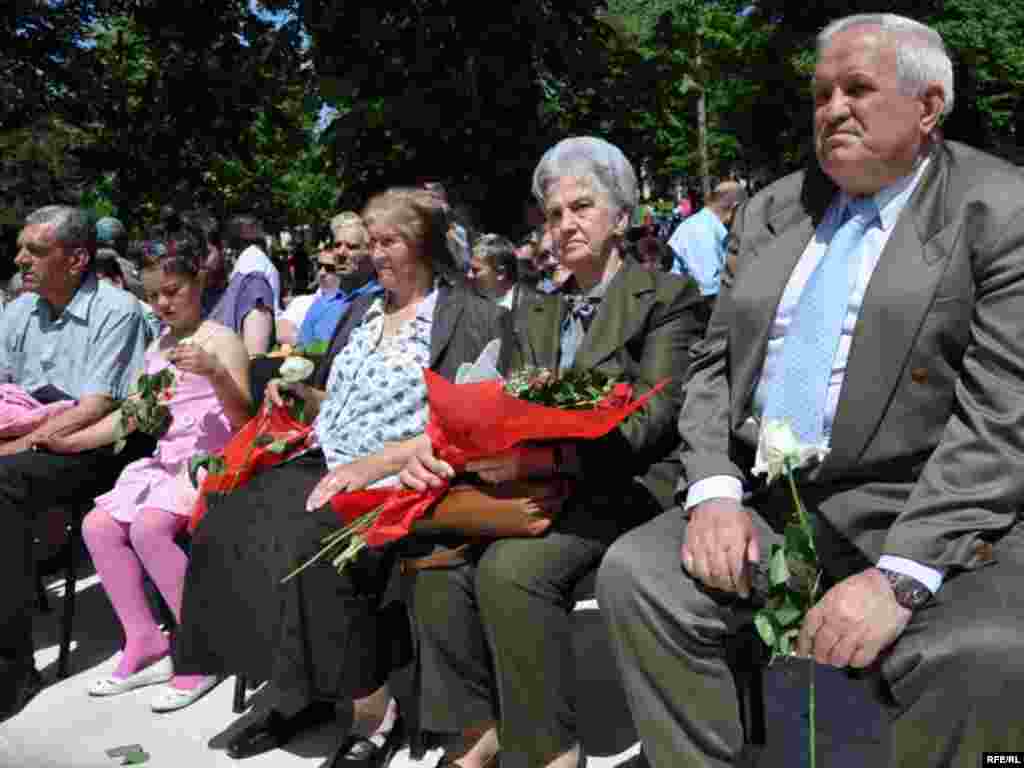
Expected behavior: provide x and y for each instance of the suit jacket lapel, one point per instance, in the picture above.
(755, 298)
(898, 297)
(540, 333)
(620, 317)
(447, 311)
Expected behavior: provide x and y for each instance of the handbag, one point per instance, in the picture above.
(506, 510)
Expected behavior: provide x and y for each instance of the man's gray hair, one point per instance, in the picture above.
(72, 226)
(921, 55)
(594, 160)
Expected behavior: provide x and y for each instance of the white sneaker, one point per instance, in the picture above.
(169, 698)
(158, 672)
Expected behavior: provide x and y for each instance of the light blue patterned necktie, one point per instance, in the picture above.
(800, 387)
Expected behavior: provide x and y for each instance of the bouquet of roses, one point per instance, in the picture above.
(146, 406)
(475, 421)
(274, 435)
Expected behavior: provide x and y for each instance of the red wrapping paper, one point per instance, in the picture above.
(470, 422)
(245, 455)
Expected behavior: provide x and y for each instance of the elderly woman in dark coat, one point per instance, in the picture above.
(494, 633)
(319, 638)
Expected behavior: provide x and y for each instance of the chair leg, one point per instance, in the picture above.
(70, 583)
(238, 701)
(42, 600)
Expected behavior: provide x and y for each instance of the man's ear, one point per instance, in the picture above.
(80, 260)
(622, 224)
(933, 101)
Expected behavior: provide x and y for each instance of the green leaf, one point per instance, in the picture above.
(798, 543)
(214, 465)
(765, 628)
(778, 568)
(136, 758)
(262, 440)
(278, 446)
(789, 612)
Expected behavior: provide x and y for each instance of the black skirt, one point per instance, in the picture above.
(323, 635)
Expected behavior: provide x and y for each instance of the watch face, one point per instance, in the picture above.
(909, 592)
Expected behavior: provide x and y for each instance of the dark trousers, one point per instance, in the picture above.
(495, 637)
(946, 682)
(31, 483)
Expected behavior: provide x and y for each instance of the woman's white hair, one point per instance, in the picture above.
(921, 55)
(594, 160)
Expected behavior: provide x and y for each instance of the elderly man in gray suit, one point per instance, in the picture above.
(919, 397)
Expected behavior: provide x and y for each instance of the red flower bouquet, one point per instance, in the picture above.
(475, 421)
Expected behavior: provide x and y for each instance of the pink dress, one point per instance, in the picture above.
(198, 425)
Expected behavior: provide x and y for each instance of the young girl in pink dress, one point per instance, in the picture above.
(132, 528)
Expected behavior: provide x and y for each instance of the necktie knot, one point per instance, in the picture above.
(863, 209)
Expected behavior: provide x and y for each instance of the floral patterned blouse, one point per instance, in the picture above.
(375, 389)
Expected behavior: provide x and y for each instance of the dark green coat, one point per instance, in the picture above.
(642, 334)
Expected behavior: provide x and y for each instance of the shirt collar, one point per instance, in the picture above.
(80, 302)
(597, 292)
(424, 311)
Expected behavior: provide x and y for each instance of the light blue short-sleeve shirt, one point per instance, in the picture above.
(94, 346)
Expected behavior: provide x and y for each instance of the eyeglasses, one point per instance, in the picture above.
(330, 269)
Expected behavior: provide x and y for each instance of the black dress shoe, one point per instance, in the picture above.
(360, 752)
(25, 684)
(274, 730)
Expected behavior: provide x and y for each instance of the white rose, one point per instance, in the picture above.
(296, 369)
(779, 451)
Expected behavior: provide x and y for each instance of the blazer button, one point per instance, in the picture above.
(983, 551)
(919, 375)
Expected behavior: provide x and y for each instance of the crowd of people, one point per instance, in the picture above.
(870, 301)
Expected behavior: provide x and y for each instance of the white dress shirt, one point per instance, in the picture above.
(890, 202)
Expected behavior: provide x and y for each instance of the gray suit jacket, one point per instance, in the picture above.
(927, 451)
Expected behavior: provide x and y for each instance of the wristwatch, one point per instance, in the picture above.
(909, 592)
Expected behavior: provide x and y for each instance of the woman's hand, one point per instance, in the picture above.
(278, 389)
(353, 476)
(424, 470)
(194, 359)
(519, 463)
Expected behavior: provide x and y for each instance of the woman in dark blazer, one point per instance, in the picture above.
(494, 633)
(320, 639)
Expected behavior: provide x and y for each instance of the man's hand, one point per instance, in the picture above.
(720, 545)
(11, 447)
(424, 470)
(855, 621)
(519, 463)
(60, 444)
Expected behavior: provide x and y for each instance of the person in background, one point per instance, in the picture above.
(493, 269)
(74, 337)
(108, 267)
(344, 275)
(246, 304)
(111, 234)
(644, 245)
(247, 239)
(132, 529)
(699, 242)
(290, 320)
(458, 236)
(872, 302)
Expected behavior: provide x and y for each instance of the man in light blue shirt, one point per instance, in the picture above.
(698, 244)
(68, 336)
(344, 274)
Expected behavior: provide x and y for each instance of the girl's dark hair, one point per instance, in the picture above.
(183, 254)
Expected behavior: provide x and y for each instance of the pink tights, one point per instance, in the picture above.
(120, 551)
